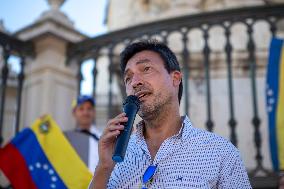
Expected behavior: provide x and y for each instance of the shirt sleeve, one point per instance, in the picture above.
(233, 173)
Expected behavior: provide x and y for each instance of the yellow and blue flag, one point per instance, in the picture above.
(275, 102)
(41, 157)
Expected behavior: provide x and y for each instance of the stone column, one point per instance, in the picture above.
(50, 85)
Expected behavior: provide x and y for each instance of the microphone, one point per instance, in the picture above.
(131, 106)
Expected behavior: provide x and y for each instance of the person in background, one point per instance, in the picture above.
(84, 138)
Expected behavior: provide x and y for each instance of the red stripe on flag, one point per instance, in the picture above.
(15, 168)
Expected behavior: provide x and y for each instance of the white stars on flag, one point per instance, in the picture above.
(270, 99)
(51, 172)
(54, 179)
(45, 166)
(31, 168)
(37, 166)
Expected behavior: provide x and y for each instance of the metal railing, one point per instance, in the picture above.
(12, 46)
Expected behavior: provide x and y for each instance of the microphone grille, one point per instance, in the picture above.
(132, 99)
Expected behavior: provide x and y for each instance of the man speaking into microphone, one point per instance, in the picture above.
(166, 151)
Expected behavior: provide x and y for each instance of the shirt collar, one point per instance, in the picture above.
(183, 133)
(92, 130)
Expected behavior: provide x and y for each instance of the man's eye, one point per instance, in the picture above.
(147, 68)
(126, 80)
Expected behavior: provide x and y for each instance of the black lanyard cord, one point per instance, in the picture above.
(87, 132)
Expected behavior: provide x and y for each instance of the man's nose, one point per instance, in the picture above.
(137, 80)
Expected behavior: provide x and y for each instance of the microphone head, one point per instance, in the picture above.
(132, 99)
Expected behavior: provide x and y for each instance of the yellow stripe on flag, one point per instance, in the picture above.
(280, 114)
(61, 155)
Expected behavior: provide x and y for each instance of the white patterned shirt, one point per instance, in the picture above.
(193, 158)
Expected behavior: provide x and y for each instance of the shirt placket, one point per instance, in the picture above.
(167, 149)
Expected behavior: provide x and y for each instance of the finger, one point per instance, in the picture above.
(110, 136)
(123, 114)
(119, 116)
(115, 127)
(117, 120)
(112, 128)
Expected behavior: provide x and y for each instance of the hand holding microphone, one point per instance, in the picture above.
(114, 140)
(130, 107)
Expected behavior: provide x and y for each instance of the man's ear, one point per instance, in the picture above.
(176, 76)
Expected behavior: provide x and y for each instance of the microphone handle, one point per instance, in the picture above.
(123, 138)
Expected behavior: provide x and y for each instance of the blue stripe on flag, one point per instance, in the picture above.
(42, 172)
(272, 96)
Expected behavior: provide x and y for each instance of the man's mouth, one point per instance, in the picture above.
(141, 95)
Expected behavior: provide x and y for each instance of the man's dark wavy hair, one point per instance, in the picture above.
(169, 58)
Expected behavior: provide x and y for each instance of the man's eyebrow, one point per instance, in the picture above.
(145, 60)
(142, 61)
(125, 72)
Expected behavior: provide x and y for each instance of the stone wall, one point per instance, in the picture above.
(129, 13)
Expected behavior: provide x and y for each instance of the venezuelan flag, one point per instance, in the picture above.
(275, 102)
(41, 157)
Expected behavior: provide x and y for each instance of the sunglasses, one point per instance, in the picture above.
(148, 175)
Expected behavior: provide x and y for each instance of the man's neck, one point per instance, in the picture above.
(84, 127)
(164, 126)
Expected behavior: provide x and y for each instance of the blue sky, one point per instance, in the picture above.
(88, 17)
